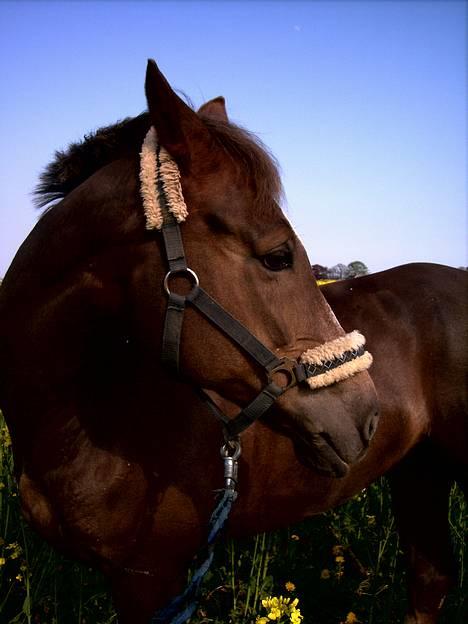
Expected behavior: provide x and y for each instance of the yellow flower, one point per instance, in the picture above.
(351, 618)
(276, 606)
(339, 559)
(337, 550)
(16, 550)
(295, 613)
(2, 561)
(289, 586)
(19, 577)
(279, 607)
(296, 616)
(325, 574)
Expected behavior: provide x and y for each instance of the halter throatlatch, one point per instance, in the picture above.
(329, 363)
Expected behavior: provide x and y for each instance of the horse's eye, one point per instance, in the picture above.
(278, 260)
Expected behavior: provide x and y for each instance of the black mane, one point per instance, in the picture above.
(73, 166)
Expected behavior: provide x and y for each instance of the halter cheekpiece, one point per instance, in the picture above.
(165, 209)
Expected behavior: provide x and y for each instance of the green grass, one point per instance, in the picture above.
(346, 560)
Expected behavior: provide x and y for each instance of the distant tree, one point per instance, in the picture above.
(338, 272)
(357, 268)
(319, 271)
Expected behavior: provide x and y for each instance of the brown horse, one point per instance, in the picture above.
(117, 459)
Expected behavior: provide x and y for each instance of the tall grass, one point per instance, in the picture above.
(343, 564)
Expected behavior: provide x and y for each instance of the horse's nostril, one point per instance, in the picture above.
(370, 427)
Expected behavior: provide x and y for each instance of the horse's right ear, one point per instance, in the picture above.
(179, 128)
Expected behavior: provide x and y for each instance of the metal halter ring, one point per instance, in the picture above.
(231, 449)
(191, 275)
(288, 368)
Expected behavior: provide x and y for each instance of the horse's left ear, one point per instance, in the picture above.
(214, 109)
(178, 127)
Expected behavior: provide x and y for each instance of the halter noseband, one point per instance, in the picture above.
(321, 366)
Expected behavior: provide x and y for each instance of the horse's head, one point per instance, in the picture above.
(247, 257)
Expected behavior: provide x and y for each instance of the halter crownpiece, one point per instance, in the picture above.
(322, 366)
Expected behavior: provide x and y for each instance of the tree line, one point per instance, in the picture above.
(340, 271)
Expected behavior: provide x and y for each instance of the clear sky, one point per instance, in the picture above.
(363, 104)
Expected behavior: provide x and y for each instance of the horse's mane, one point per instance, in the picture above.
(71, 167)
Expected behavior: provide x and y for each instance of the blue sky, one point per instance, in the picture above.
(363, 104)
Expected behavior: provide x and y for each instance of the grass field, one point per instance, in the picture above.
(343, 566)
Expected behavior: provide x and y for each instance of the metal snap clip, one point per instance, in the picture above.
(231, 449)
(230, 452)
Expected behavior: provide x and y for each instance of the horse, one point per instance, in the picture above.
(415, 320)
(111, 367)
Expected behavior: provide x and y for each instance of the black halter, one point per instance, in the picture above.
(294, 372)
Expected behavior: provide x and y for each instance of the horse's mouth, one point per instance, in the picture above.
(314, 450)
(318, 454)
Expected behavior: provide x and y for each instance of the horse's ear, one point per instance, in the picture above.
(214, 109)
(179, 128)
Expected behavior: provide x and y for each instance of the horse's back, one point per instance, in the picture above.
(432, 299)
(408, 280)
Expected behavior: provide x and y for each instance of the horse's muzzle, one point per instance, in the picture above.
(335, 460)
(332, 429)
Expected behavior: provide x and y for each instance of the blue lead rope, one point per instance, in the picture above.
(182, 607)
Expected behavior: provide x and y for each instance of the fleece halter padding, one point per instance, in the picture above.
(164, 207)
(337, 359)
(160, 181)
